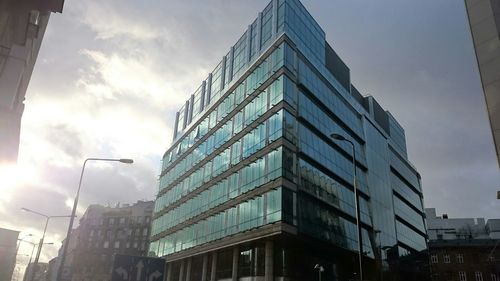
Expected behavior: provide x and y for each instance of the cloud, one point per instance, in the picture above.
(115, 76)
(106, 20)
(107, 84)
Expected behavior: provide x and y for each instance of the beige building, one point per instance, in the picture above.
(102, 233)
(22, 26)
(484, 20)
(8, 252)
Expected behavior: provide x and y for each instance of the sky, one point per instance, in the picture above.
(111, 74)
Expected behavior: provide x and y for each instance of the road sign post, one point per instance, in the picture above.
(133, 268)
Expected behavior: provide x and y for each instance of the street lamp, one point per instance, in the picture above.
(32, 273)
(75, 204)
(47, 218)
(21, 240)
(320, 270)
(33, 248)
(356, 203)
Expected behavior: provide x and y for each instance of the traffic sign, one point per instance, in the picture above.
(133, 268)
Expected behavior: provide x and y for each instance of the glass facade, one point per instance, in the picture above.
(253, 153)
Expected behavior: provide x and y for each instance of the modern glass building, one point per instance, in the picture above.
(253, 186)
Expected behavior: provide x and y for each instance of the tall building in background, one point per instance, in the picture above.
(22, 26)
(484, 20)
(54, 265)
(8, 252)
(102, 233)
(254, 186)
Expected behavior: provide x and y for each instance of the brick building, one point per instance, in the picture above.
(106, 231)
(463, 249)
(465, 260)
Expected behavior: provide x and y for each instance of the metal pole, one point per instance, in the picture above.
(381, 261)
(32, 250)
(358, 215)
(70, 227)
(21, 241)
(73, 211)
(29, 262)
(356, 203)
(40, 245)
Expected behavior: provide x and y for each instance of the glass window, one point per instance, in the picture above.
(446, 258)
(239, 56)
(462, 276)
(460, 258)
(251, 215)
(323, 223)
(216, 86)
(182, 116)
(410, 237)
(266, 25)
(253, 40)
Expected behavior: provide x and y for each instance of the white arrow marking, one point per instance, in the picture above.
(122, 272)
(140, 266)
(154, 275)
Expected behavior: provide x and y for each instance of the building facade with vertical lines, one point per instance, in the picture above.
(484, 22)
(254, 188)
(22, 27)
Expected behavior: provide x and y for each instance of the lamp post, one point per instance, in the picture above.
(33, 248)
(21, 240)
(320, 270)
(32, 272)
(75, 204)
(47, 219)
(356, 203)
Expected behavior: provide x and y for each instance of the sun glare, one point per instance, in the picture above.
(13, 176)
(10, 179)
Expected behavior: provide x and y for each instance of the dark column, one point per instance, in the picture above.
(191, 106)
(203, 93)
(188, 269)
(204, 268)
(269, 263)
(259, 34)
(236, 255)
(208, 90)
(176, 124)
(169, 272)
(186, 115)
(181, 273)
(213, 275)
(231, 63)
(275, 17)
(223, 73)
